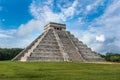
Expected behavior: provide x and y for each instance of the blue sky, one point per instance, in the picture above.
(95, 22)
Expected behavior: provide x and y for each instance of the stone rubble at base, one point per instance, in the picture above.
(56, 44)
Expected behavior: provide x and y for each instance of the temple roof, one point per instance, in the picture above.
(55, 25)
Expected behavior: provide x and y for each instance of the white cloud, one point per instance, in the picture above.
(7, 33)
(46, 13)
(105, 29)
(93, 6)
(113, 9)
(11, 39)
(103, 34)
(100, 38)
(70, 11)
(89, 8)
(49, 15)
(5, 36)
(26, 29)
(49, 2)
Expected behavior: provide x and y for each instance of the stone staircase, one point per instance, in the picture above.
(69, 46)
(47, 50)
(86, 53)
(22, 56)
(32, 46)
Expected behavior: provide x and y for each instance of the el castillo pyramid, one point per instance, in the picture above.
(57, 44)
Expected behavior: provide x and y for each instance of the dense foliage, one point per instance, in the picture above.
(8, 54)
(112, 57)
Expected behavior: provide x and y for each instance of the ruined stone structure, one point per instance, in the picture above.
(57, 44)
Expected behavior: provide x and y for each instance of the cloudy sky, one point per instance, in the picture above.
(95, 22)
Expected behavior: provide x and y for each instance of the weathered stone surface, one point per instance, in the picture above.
(57, 44)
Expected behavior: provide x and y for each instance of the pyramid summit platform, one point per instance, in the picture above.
(57, 44)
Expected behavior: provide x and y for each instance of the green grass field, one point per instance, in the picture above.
(58, 71)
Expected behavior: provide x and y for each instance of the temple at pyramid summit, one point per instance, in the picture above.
(57, 44)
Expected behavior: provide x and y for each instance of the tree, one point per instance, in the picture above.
(8, 54)
(114, 57)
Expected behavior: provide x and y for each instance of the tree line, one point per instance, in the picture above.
(10, 53)
(112, 57)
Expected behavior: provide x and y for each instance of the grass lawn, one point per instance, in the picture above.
(58, 71)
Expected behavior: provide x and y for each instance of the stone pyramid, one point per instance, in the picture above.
(57, 44)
